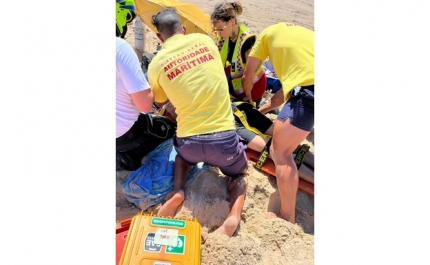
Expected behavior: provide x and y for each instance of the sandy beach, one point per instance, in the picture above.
(258, 240)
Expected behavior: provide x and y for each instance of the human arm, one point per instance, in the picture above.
(143, 100)
(275, 101)
(238, 74)
(131, 78)
(167, 110)
(160, 97)
(252, 66)
(161, 104)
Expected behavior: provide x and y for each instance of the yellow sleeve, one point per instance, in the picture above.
(157, 90)
(260, 49)
(159, 95)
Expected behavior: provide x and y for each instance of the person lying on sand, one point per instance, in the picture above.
(180, 73)
(255, 134)
(258, 130)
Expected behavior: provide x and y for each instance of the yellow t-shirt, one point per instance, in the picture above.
(290, 49)
(188, 71)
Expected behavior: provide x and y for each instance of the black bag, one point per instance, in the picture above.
(147, 133)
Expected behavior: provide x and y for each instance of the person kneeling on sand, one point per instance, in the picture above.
(205, 124)
(290, 49)
(256, 134)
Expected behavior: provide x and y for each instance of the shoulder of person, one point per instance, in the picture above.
(243, 28)
(120, 42)
(205, 36)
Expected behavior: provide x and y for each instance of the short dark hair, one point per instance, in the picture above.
(167, 21)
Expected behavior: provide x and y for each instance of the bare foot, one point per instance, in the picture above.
(229, 226)
(170, 207)
(271, 215)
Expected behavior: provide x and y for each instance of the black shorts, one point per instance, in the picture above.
(300, 108)
(255, 119)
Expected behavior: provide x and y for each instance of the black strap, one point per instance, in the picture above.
(298, 159)
(264, 155)
(147, 127)
(300, 156)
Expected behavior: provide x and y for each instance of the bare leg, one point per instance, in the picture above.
(182, 169)
(237, 189)
(309, 157)
(270, 130)
(286, 138)
(258, 144)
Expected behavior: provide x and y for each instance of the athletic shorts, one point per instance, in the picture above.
(221, 149)
(299, 108)
(255, 119)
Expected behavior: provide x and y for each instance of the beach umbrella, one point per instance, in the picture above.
(193, 18)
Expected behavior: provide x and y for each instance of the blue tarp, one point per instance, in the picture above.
(149, 184)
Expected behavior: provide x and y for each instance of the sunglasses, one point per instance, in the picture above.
(221, 29)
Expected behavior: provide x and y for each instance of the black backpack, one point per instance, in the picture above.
(149, 131)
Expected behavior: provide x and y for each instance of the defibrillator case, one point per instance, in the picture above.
(155, 240)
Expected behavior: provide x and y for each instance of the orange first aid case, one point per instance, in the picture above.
(155, 240)
(121, 237)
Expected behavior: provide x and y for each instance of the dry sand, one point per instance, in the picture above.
(258, 240)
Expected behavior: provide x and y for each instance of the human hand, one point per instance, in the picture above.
(248, 98)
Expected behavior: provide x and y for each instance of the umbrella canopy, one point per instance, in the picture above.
(193, 18)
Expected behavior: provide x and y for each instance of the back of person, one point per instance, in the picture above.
(291, 52)
(188, 72)
(192, 64)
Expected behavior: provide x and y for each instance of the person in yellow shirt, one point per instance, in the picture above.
(233, 42)
(187, 71)
(290, 48)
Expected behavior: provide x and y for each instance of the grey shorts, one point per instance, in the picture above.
(221, 149)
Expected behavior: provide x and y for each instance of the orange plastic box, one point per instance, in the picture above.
(155, 240)
(121, 237)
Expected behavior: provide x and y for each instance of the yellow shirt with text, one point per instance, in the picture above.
(188, 71)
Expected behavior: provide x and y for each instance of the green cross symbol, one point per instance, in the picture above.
(179, 249)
